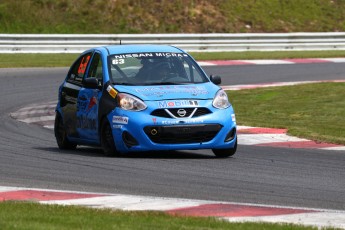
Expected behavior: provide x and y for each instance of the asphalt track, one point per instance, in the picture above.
(29, 156)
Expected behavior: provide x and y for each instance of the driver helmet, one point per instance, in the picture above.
(163, 70)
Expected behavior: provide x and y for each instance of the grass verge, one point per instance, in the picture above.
(312, 111)
(36, 60)
(64, 60)
(22, 215)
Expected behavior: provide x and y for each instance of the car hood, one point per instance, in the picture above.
(169, 92)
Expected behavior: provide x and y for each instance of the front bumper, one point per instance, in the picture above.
(142, 131)
(182, 134)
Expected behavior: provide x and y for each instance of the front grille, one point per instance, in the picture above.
(173, 113)
(201, 111)
(181, 134)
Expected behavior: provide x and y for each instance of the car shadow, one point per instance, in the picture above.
(89, 151)
(97, 152)
(168, 155)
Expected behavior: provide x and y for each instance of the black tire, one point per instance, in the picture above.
(61, 135)
(107, 140)
(223, 153)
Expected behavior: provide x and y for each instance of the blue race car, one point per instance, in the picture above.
(129, 98)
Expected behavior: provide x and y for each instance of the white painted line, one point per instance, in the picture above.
(204, 63)
(9, 189)
(241, 127)
(255, 139)
(335, 60)
(319, 219)
(32, 111)
(38, 119)
(38, 106)
(131, 203)
(268, 62)
(340, 148)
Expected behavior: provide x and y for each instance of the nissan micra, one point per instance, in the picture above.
(129, 98)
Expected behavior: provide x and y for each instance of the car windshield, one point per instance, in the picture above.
(154, 69)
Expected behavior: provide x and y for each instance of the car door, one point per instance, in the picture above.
(70, 92)
(88, 101)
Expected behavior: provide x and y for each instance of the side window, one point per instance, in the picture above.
(192, 73)
(77, 71)
(96, 70)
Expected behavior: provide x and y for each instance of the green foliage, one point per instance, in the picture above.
(165, 16)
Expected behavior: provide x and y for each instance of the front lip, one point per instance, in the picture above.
(182, 134)
(137, 121)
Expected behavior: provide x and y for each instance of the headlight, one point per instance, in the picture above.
(129, 102)
(221, 101)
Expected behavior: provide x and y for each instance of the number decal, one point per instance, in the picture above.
(83, 64)
(118, 61)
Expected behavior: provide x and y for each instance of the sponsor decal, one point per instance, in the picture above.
(93, 102)
(175, 122)
(154, 120)
(152, 91)
(170, 55)
(86, 102)
(112, 91)
(233, 117)
(178, 103)
(117, 126)
(84, 122)
(87, 111)
(120, 120)
(81, 105)
(148, 55)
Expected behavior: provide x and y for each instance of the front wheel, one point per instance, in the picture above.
(107, 140)
(223, 153)
(61, 135)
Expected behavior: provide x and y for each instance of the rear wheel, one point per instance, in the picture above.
(223, 153)
(107, 140)
(61, 135)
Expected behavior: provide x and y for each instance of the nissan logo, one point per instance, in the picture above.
(181, 112)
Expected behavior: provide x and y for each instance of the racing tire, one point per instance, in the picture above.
(61, 135)
(107, 140)
(223, 153)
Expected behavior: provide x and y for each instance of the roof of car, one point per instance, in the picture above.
(120, 49)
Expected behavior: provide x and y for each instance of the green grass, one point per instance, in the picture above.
(21, 215)
(250, 55)
(312, 111)
(36, 60)
(65, 60)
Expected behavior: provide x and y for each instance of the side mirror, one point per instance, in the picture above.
(216, 79)
(91, 83)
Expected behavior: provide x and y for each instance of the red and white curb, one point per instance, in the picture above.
(41, 114)
(271, 62)
(234, 212)
(276, 84)
(44, 115)
(278, 138)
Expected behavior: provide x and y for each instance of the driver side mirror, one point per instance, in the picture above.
(90, 83)
(216, 79)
